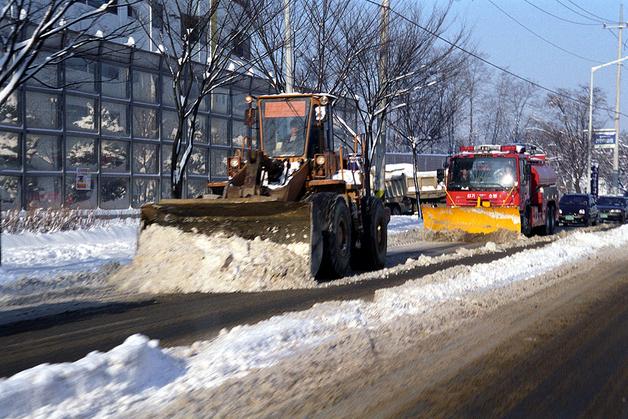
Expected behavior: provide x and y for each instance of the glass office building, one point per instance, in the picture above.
(109, 120)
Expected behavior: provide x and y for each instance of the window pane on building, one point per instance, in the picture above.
(200, 131)
(220, 101)
(80, 113)
(47, 76)
(219, 163)
(114, 156)
(10, 111)
(219, 131)
(113, 119)
(10, 197)
(145, 158)
(145, 86)
(194, 93)
(165, 187)
(238, 104)
(169, 124)
(114, 193)
(80, 74)
(198, 161)
(240, 130)
(115, 81)
(167, 93)
(43, 191)
(79, 198)
(43, 152)
(42, 110)
(10, 151)
(144, 190)
(166, 151)
(145, 123)
(81, 153)
(196, 187)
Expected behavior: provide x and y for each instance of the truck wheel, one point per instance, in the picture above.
(526, 226)
(336, 239)
(552, 218)
(374, 240)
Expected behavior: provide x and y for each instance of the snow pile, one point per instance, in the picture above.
(129, 369)
(49, 255)
(169, 260)
(110, 384)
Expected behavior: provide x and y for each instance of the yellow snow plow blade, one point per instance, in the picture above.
(475, 220)
(280, 222)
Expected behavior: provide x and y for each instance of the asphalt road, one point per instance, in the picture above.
(183, 318)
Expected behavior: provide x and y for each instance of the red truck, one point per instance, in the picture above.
(493, 187)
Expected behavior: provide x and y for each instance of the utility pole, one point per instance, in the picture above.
(620, 26)
(380, 145)
(288, 48)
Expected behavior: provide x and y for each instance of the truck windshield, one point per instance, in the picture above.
(284, 123)
(482, 173)
(574, 200)
(612, 201)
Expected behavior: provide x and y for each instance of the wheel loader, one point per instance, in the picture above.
(292, 187)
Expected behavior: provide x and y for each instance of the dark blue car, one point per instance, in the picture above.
(612, 208)
(578, 209)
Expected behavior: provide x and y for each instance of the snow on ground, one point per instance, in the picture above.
(401, 223)
(45, 255)
(139, 375)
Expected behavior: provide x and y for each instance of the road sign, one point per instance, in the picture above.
(594, 180)
(604, 138)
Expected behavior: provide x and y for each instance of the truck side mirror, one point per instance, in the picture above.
(250, 116)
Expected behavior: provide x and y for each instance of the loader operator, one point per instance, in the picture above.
(294, 143)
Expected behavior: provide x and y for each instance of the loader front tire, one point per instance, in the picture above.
(372, 253)
(336, 238)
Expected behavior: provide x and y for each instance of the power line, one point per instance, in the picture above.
(485, 61)
(543, 38)
(588, 12)
(578, 13)
(558, 17)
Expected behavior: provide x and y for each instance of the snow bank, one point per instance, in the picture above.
(112, 383)
(47, 255)
(169, 260)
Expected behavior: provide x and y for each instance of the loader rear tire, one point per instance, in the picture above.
(336, 238)
(372, 253)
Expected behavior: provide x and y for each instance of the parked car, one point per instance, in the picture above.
(578, 209)
(613, 208)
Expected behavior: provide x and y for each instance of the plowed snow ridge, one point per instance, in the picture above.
(141, 376)
(169, 260)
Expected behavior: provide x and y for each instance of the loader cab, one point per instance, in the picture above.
(294, 126)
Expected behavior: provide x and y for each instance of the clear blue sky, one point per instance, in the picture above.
(507, 44)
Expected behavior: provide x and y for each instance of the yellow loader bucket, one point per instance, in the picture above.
(280, 222)
(475, 220)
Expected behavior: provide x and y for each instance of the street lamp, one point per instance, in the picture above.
(590, 133)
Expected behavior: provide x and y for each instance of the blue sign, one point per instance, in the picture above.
(604, 138)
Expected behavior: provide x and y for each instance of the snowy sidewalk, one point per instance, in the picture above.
(142, 377)
(46, 255)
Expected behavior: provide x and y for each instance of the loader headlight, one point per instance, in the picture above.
(235, 162)
(248, 99)
(320, 160)
(581, 211)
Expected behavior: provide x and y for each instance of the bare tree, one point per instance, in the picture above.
(204, 46)
(27, 26)
(562, 133)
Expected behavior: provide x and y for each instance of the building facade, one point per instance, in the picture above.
(96, 132)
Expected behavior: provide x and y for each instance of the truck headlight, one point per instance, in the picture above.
(560, 211)
(581, 211)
